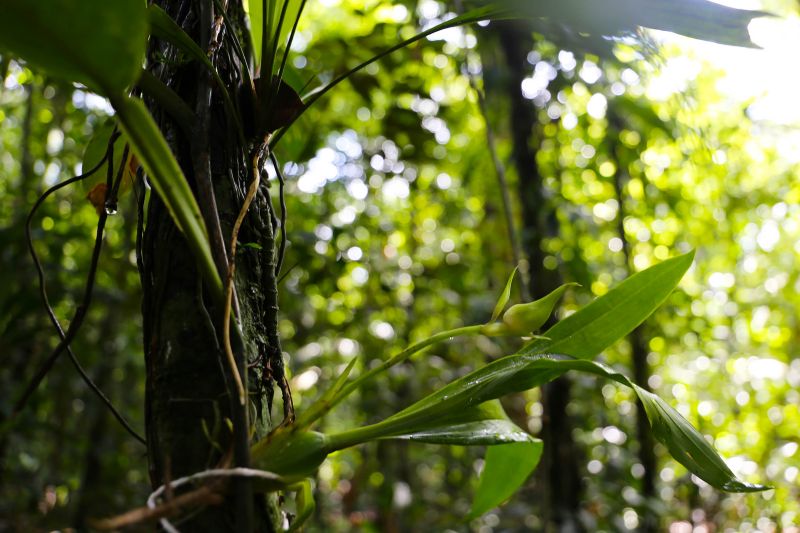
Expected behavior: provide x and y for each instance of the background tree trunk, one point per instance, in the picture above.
(560, 465)
(638, 342)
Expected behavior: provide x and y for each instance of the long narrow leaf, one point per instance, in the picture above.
(480, 432)
(607, 319)
(521, 372)
(486, 423)
(254, 13)
(700, 19)
(166, 176)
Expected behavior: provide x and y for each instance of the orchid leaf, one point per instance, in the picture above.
(595, 327)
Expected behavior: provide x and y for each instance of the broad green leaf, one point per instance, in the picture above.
(482, 424)
(700, 19)
(166, 176)
(504, 296)
(481, 432)
(486, 423)
(688, 447)
(99, 43)
(610, 317)
(505, 469)
(451, 413)
(517, 373)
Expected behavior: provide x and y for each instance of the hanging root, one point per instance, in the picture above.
(226, 324)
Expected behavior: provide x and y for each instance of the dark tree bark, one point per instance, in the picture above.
(188, 389)
(560, 460)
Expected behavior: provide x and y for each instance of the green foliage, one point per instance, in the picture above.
(506, 468)
(606, 320)
(168, 180)
(524, 319)
(504, 296)
(101, 44)
(329, 301)
(465, 412)
(699, 19)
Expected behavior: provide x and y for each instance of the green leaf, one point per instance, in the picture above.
(700, 19)
(521, 372)
(505, 469)
(504, 296)
(255, 14)
(607, 319)
(96, 150)
(486, 12)
(484, 424)
(688, 447)
(99, 43)
(481, 432)
(326, 401)
(166, 176)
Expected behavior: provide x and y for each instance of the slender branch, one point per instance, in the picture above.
(458, 21)
(201, 496)
(64, 344)
(316, 411)
(288, 271)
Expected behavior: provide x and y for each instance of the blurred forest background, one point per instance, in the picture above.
(400, 187)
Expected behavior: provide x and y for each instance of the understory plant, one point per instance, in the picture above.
(102, 45)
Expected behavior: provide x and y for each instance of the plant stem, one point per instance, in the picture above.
(321, 408)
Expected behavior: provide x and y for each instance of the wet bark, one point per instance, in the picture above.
(188, 392)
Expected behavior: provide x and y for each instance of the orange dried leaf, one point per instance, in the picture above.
(97, 196)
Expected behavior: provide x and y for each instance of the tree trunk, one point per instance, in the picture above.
(641, 368)
(188, 387)
(560, 464)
